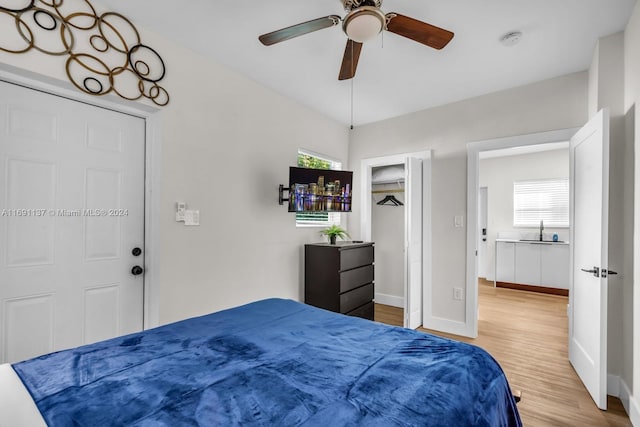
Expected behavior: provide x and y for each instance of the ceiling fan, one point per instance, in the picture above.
(364, 21)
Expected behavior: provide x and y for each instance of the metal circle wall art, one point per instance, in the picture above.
(104, 51)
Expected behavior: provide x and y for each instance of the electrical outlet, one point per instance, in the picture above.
(457, 294)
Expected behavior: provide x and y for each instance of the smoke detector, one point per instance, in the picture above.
(511, 39)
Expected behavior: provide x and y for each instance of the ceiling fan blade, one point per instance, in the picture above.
(350, 60)
(419, 31)
(299, 30)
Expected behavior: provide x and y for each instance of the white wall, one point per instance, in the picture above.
(226, 145)
(552, 104)
(498, 175)
(387, 231)
(632, 118)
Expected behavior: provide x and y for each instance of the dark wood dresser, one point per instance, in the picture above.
(340, 277)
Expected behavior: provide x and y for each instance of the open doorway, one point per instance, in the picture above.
(474, 151)
(523, 214)
(387, 231)
(589, 241)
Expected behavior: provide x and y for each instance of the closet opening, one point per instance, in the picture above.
(411, 213)
(387, 231)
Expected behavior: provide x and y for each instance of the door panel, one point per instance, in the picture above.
(28, 326)
(413, 243)
(589, 153)
(101, 307)
(73, 208)
(29, 185)
(102, 233)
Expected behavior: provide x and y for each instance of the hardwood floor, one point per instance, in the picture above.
(526, 333)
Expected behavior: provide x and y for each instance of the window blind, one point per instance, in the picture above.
(542, 199)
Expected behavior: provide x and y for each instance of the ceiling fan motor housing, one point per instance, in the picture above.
(363, 23)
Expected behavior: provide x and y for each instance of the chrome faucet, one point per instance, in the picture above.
(541, 228)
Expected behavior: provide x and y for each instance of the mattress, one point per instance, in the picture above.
(272, 362)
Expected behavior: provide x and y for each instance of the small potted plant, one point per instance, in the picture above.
(333, 232)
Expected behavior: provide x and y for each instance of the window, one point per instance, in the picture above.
(307, 159)
(541, 199)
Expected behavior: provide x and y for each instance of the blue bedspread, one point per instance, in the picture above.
(272, 362)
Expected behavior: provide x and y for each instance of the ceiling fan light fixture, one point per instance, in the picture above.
(364, 23)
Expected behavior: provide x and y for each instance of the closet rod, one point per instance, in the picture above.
(386, 191)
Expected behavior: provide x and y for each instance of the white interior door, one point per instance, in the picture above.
(72, 211)
(413, 243)
(589, 247)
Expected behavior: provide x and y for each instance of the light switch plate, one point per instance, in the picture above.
(180, 209)
(458, 221)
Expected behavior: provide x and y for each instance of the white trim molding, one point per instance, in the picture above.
(473, 165)
(450, 326)
(366, 167)
(617, 387)
(634, 410)
(392, 300)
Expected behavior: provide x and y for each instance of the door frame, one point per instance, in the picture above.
(153, 160)
(483, 207)
(470, 328)
(366, 169)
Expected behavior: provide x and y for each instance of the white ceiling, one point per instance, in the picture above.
(402, 76)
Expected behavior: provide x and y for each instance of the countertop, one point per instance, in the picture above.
(537, 242)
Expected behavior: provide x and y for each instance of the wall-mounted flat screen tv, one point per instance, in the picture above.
(319, 190)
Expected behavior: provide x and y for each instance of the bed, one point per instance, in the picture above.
(271, 362)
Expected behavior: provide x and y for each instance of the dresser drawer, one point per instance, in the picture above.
(355, 298)
(357, 277)
(356, 257)
(366, 311)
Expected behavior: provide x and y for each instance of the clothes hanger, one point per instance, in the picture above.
(390, 201)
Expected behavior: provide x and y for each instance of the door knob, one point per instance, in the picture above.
(137, 270)
(136, 251)
(595, 271)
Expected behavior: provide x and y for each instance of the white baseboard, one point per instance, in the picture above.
(634, 411)
(446, 325)
(391, 300)
(613, 385)
(617, 387)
